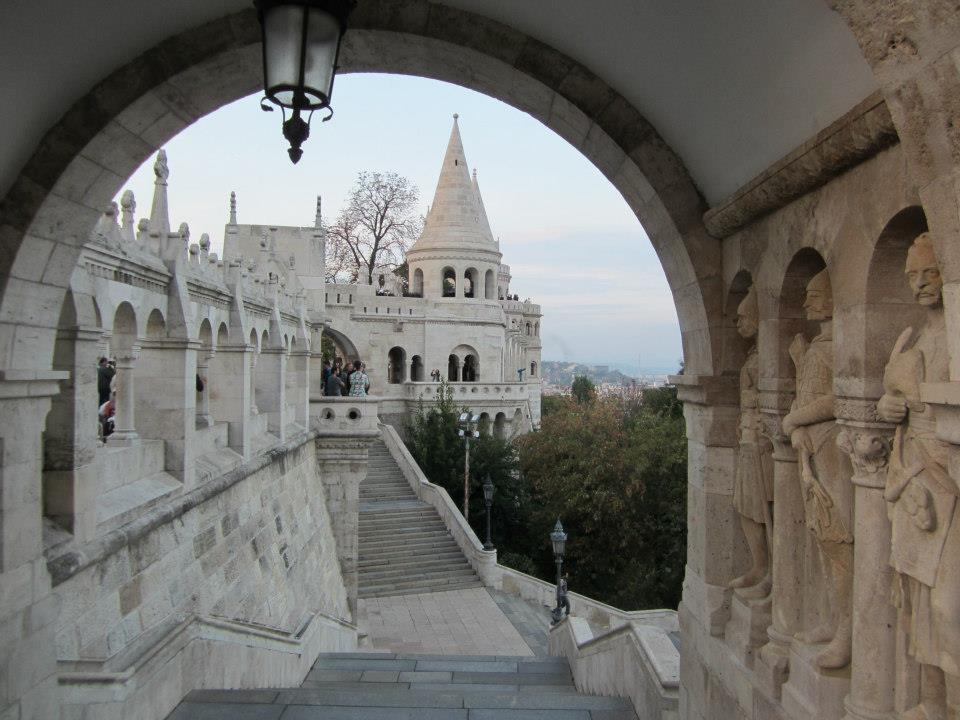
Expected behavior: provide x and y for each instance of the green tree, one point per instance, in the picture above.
(583, 389)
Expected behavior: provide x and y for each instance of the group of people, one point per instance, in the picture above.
(106, 372)
(339, 380)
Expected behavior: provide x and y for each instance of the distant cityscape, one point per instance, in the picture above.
(610, 378)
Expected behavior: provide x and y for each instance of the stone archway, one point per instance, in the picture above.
(84, 159)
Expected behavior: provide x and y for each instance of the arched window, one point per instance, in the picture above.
(489, 285)
(528, 328)
(416, 369)
(416, 287)
(453, 368)
(471, 371)
(533, 369)
(471, 283)
(536, 329)
(449, 282)
(396, 365)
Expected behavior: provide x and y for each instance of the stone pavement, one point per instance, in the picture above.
(532, 621)
(456, 622)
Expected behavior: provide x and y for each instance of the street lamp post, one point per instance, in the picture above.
(468, 430)
(488, 501)
(558, 538)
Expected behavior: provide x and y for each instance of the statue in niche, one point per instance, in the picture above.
(753, 483)
(825, 474)
(922, 497)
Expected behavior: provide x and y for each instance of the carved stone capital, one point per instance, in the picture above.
(869, 451)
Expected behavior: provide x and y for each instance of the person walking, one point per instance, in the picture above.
(359, 382)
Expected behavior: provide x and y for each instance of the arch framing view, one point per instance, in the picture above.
(819, 307)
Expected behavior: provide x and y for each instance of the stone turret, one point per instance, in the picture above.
(456, 255)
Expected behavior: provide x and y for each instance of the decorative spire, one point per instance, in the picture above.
(453, 220)
(481, 210)
(128, 205)
(318, 218)
(233, 208)
(160, 213)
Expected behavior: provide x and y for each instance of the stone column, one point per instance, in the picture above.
(789, 541)
(125, 432)
(70, 440)
(300, 386)
(342, 465)
(167, 391)
(873, 667)
(271, 391)
(204, 358)
(254, 410)
(28, 659)
(230, 393)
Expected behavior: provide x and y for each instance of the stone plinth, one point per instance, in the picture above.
(812, 693)
(746, 632)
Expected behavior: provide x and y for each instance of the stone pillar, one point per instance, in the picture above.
(342, 465)
(300, 386)
(230, 393)
(789, 542)
(271, 391)
(70, 440)
(124, 425)
(204, 358)
(28, 660)
(167, 392)
(873, 668)
(254, 410)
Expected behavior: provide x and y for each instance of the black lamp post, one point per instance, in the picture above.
(301, 43)
(558, 538)
(488, 501)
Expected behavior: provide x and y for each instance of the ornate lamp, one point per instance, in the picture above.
(559, 540)
(301, 43)
(488, 501)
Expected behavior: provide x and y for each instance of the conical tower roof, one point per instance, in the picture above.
(456, 219)
(481, 210)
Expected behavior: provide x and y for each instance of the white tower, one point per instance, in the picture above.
(456, 255)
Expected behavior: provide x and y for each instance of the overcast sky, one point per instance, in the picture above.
(571, 241)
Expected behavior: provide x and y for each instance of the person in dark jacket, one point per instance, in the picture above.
(333, 386)
(105, 373)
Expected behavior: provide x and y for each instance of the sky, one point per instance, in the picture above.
(572, 243)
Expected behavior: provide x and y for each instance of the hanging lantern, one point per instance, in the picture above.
(301, 43)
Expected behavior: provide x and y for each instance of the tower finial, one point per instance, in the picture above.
(456, 116)
(233, 208)
(159, 213)
(318, 219)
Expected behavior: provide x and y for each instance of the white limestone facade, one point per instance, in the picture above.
(456, 316)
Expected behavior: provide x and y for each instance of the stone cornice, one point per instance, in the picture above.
(860, 134)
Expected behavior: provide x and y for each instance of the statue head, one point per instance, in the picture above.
(923, 273)
(748, 315)
(819, 300)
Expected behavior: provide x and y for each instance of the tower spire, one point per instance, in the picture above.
(233, 208)
(159, 211)
(481, 210)
(318, 218)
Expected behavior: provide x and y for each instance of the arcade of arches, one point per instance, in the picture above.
(824, 439)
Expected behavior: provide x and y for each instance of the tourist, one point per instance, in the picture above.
(344, 374)
(359, 382)
(105, 373)
(106, 415)
(333, 386)
(327, 369)
(563, 601)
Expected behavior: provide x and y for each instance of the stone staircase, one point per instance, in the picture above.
(404, 547)
(383, 686)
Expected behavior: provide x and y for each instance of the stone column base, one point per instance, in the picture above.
(772, 666)
(746, 632)
(811, 692)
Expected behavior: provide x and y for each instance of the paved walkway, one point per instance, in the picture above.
(456, 622)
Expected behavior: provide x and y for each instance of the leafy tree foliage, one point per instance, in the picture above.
(614, 470)
(583, 390)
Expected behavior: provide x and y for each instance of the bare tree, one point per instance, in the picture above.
(374, 229)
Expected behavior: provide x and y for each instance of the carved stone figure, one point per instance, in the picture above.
(825, 473)
(753, 482)
(925, 516)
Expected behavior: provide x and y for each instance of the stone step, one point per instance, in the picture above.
(406, 513)
(422, 545)
(392, 589)
(441, 571)
(402, 533)
(387, 524)
(403, 557)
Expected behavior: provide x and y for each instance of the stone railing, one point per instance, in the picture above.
(344, 415)
(467, 391)
(635, 660)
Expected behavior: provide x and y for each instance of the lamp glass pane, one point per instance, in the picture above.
(323, 37)
(282, 34)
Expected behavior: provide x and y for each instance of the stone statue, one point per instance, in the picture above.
(753, 482)
(825, 474)
(922, 497)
